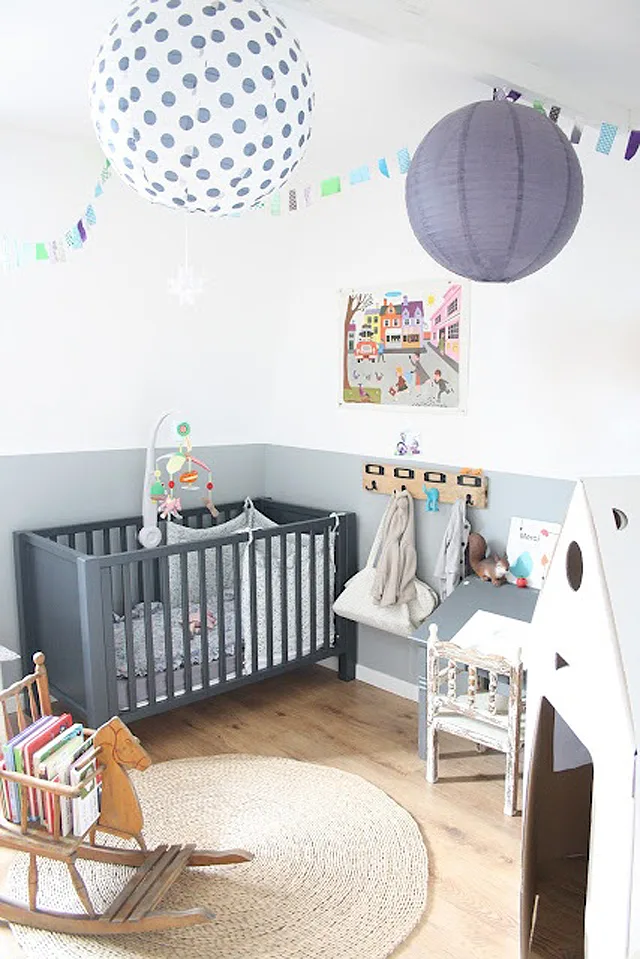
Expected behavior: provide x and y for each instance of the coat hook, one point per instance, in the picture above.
(374, 486)
(468, 500)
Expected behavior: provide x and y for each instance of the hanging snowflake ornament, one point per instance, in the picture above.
(186, 285)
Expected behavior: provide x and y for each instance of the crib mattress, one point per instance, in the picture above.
(138, 631)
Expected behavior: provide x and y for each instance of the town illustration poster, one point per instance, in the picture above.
(406, 345)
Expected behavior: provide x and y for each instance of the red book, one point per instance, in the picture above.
(35, 743)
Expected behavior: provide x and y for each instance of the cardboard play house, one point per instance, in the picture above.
(581, 862)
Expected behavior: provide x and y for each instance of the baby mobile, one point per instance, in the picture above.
(161, 494)
(182, 463)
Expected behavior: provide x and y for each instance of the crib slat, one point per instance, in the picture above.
(237, 603)
(163, 564)
(253, 606)
(72, 540)
(123, 539)
(222, 630)
(147, 574)
(313, 595)
(128, 637)
(106, 542)
(204, 625)
(88, 542)
(268, 565)
(298, 578)
(326, 586)
(284, 607)
(186, 635)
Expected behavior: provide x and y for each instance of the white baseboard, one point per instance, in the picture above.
(400, 687)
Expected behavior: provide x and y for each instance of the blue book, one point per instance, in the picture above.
(10, 765)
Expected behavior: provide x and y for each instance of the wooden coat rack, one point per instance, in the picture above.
(468, 484)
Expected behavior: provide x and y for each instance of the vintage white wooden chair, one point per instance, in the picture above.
(488, 718)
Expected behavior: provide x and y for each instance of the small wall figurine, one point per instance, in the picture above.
(492, 569)
(408, 444)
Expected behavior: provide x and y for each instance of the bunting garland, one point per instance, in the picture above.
(15, 253)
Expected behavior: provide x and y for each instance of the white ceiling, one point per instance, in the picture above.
(582, 53)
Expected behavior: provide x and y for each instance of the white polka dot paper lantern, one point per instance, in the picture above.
(202, 105)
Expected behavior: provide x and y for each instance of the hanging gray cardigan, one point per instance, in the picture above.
(450, 565)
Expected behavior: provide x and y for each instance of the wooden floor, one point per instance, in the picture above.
(559, 926)
(474, 849)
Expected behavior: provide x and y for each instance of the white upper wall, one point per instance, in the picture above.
(98, 348)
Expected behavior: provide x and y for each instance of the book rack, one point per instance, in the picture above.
(468, 484)
(115, 750)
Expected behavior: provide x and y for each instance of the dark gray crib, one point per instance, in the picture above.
(275, 615)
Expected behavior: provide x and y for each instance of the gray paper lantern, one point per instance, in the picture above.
(494, 191)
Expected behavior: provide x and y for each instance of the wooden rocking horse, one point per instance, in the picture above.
(116, 749)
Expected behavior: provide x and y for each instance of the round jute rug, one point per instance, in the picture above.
(340, 870)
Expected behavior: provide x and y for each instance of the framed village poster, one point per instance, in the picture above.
(406, 345)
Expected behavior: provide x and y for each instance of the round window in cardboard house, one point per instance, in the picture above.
(575, 566)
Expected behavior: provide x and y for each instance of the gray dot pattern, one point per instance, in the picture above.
(170, 88)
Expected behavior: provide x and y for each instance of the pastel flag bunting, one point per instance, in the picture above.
(330, 186)
(632, 145)
(293, 201)
(554, 113)
(106, 169)
(98, 190)
(382, 166)
(607, 136)
(41, 251)
(275, 204)
(537, 105)
(576, 133)
(308, 196)
(73, 239)
(359, 175)
(499, 93)
(90, 215)
(513, 95)
(27, 253)
(404, 159)
(82, 231)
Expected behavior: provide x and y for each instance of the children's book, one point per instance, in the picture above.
(530, 549)
(24, 759)
(9, 759)
(64, 729)
(55, 768)
(4, 794)
(86, 808)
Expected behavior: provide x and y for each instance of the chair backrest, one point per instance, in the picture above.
(457, 657)
(25, 701)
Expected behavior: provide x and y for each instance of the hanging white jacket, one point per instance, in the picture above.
(450, 565)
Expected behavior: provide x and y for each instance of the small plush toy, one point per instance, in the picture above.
(195, 623)
(492, 569)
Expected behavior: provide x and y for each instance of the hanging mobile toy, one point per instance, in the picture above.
(160, 497)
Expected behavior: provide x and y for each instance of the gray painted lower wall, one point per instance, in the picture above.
(51, 489)
(318, 478)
